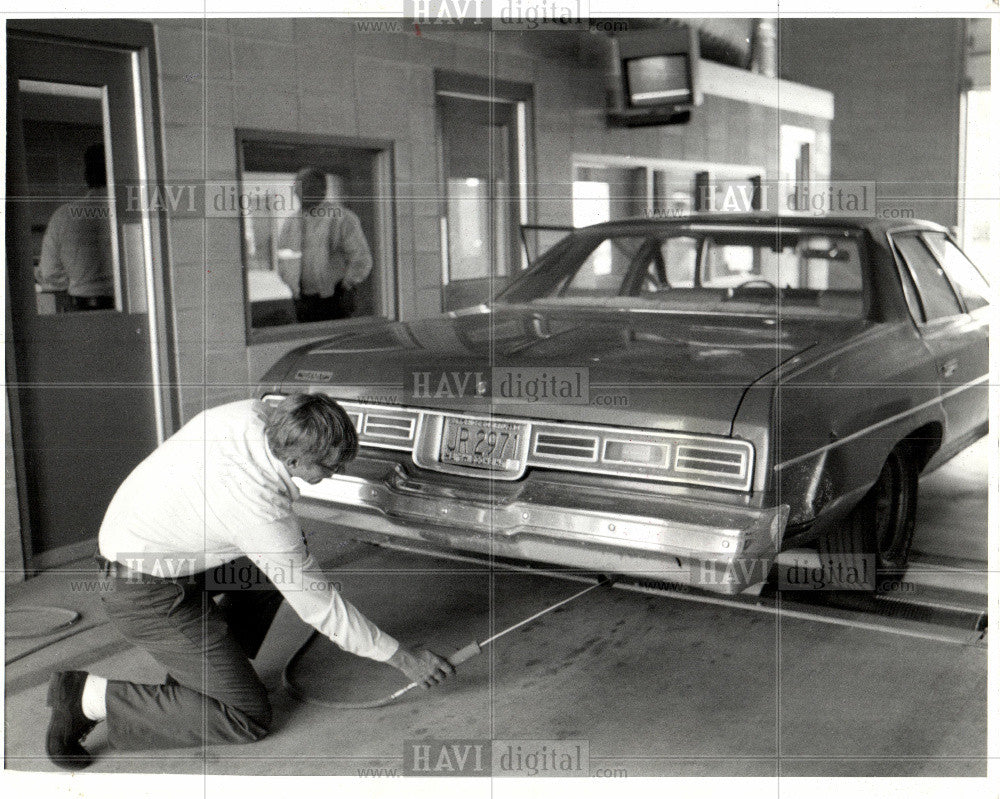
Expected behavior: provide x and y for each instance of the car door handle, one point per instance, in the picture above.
(948, 368)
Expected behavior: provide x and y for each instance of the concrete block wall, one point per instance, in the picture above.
(897, 85)
(323, 76)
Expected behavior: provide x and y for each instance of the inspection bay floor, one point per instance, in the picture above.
(656, 687)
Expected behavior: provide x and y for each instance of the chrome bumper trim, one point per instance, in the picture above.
(723, 548)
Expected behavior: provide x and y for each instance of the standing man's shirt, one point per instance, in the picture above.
(214, 492)
(333, 247)
(76, 248)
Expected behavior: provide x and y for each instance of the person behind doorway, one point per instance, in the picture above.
(208, 515)
(76, 248)
(332, 252)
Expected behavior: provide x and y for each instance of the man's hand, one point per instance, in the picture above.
(426, 669)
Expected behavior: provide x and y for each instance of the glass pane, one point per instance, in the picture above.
(680, 257)
(468, 228)
(74, 247)
(963, 273)
(602, 272)
(935, 293)
(602, 193)
(741, 272)
(310, 215)
(482, 209)
(979, 204)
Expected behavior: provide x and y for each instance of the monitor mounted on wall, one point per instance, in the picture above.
(655, 77)
(652, 81)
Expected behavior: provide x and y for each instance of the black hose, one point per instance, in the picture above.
(69, 623)
(288, 680)
(71, 618)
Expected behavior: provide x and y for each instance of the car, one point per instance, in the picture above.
(674, 400)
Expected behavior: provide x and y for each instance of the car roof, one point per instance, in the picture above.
(872, 224)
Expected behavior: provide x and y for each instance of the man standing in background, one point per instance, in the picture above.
(333, 253)
(76, 249)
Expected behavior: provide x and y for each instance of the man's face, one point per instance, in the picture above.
(313, 472)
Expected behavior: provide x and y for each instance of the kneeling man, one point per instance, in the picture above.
(218, 491)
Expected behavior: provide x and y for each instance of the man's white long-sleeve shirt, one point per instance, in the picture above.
(76, 248)
(214, 492)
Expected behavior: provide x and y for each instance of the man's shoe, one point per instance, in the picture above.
(68, 724)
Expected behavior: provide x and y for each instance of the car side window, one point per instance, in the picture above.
(602, 272)
(912, 298)
(963, 273)
(935, 291)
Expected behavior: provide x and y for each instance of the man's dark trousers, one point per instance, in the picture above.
(205, 646)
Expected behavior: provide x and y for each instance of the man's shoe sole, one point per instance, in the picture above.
(58, 699)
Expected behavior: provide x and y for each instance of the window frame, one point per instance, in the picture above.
(385, 248)
(520, 97)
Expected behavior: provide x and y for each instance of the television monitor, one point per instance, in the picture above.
(658, 80)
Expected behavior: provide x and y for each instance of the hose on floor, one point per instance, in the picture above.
(288, 680)
(69, 618)
(67, 622)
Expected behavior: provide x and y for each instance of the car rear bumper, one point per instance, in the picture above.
(711, 545)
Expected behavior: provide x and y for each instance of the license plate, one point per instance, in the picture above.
(482, 444)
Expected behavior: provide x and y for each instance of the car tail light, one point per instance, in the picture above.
(557, 445)
(648, 454)
(390, 426)
(704, 460)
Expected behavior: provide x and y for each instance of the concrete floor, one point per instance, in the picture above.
(657, 687)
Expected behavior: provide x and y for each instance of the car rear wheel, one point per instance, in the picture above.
(880, 529)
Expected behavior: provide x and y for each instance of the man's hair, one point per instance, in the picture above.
(308, 426)
(312, 186)
(94, 169)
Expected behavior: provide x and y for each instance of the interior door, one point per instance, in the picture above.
(81, 382)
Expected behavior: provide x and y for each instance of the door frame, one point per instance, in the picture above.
(139, 38)
(495, 91)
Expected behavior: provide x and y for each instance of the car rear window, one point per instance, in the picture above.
(722, 270)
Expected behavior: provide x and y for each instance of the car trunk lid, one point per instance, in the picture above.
(682, 372)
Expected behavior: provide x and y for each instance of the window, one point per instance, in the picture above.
(963, 273)
(604, 269)
(316, 216)
(680, 260)
(977, 186)
(936, 296)
(809, 262)
(727, 271)
(912, 297)
(619, 187)
(71, 194)
(728, 265)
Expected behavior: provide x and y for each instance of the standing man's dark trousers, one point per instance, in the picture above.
(214, 696)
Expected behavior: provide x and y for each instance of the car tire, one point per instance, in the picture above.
(879, 531)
